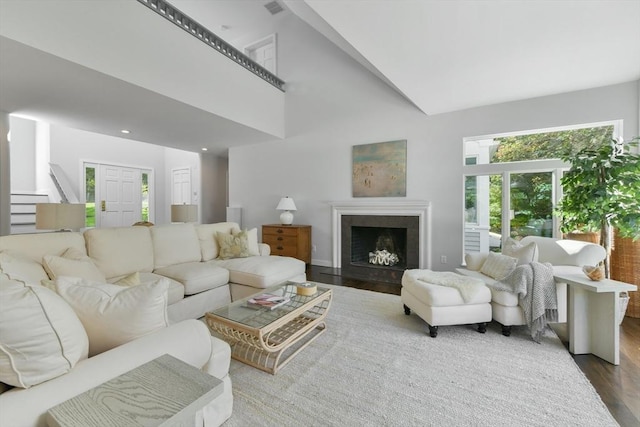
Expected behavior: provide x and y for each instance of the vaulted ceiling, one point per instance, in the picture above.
(441, 55)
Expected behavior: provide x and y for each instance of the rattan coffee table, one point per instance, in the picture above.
(269, 339)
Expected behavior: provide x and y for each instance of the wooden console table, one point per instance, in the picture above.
(594, 315)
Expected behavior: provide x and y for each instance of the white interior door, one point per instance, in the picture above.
(264, 52)
(181, 186)
(120, 203)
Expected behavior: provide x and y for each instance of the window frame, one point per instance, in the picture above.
(555, 166)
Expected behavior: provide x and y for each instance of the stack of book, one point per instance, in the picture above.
(269, 301)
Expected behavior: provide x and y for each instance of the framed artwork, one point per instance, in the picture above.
(380, 169)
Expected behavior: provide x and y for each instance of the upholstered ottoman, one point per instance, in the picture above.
(446, 298)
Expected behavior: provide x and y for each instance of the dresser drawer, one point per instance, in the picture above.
(280, 231)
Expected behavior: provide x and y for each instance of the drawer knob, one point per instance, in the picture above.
(280, 238)
(280, 248)
(279, 230)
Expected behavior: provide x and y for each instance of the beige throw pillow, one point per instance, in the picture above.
(72, 263)
(40, 336)
(233, 245)
(113, 315)
(523, 253)
(252, 240)
(132, 279)
(498, 266)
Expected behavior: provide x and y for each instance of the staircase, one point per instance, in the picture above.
(23, 211)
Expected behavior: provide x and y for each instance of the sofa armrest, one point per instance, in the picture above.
(265, 250)
(189, 341)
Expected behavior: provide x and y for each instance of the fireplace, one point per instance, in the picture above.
(413, 217)
(379, 247)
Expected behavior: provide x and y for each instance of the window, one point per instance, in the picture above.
(512, 182)
(90, 195)
(145, 196)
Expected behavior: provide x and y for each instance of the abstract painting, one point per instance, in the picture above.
(380, 170)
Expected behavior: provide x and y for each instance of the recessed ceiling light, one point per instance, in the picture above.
(125, 131)
(204, 149)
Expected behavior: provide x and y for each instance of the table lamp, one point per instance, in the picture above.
(286, 204)
(184, 213)
(60, 216)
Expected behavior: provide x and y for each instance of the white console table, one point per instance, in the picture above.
(594, 315)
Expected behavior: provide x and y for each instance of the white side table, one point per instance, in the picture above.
(593, 318)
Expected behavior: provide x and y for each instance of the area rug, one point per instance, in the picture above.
(375, 366)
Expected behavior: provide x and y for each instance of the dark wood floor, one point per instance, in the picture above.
(618, 386)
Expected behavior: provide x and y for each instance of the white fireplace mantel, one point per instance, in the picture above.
(419, 208)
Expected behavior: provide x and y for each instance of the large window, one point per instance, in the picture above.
(512, 182)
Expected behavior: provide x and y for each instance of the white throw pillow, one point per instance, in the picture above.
(475, 260)
(72, 263)
(40, 335)
(19, 267)
(113, 315)
(498, 266)
(252, 240)
(523, 253)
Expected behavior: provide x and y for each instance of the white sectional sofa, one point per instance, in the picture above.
(566, 256)
(183, 257)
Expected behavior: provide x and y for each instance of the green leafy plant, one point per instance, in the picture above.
(601, 191)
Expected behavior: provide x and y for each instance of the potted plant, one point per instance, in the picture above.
(602, 191)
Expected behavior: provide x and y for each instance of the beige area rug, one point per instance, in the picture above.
(374, 366)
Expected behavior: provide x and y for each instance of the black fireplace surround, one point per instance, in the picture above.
(364, 234)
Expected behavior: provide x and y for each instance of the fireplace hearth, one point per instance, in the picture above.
(379, 247)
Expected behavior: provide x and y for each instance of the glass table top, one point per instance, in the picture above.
(242, 312)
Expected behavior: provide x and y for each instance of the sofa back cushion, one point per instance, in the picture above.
(120, 251)
(37, 245)
(175, 244)
(207, 235)
(566, 252)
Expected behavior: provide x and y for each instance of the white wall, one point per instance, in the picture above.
(5, 175)
(179, 159)
(136, 52)
(23, 180)
(333, 103)
(70, 147)
(213, 198)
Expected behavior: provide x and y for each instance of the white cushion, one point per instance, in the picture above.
(525, 254)
(196, 276)
(438, 295)
(35, 246)
(175, 244)
(19, 267)
(40, 336)
(474, 260)
(113, 315)
(207, 237)
(119, 251)
(72, 263)
(498, 266)
(261, 271)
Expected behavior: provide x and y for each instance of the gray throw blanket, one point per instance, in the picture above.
(536, 289)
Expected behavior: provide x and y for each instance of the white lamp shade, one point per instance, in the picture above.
(184, 213)
(60, 216)
(286, 204)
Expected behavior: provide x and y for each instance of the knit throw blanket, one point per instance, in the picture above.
(536, 289)
(467, 286)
